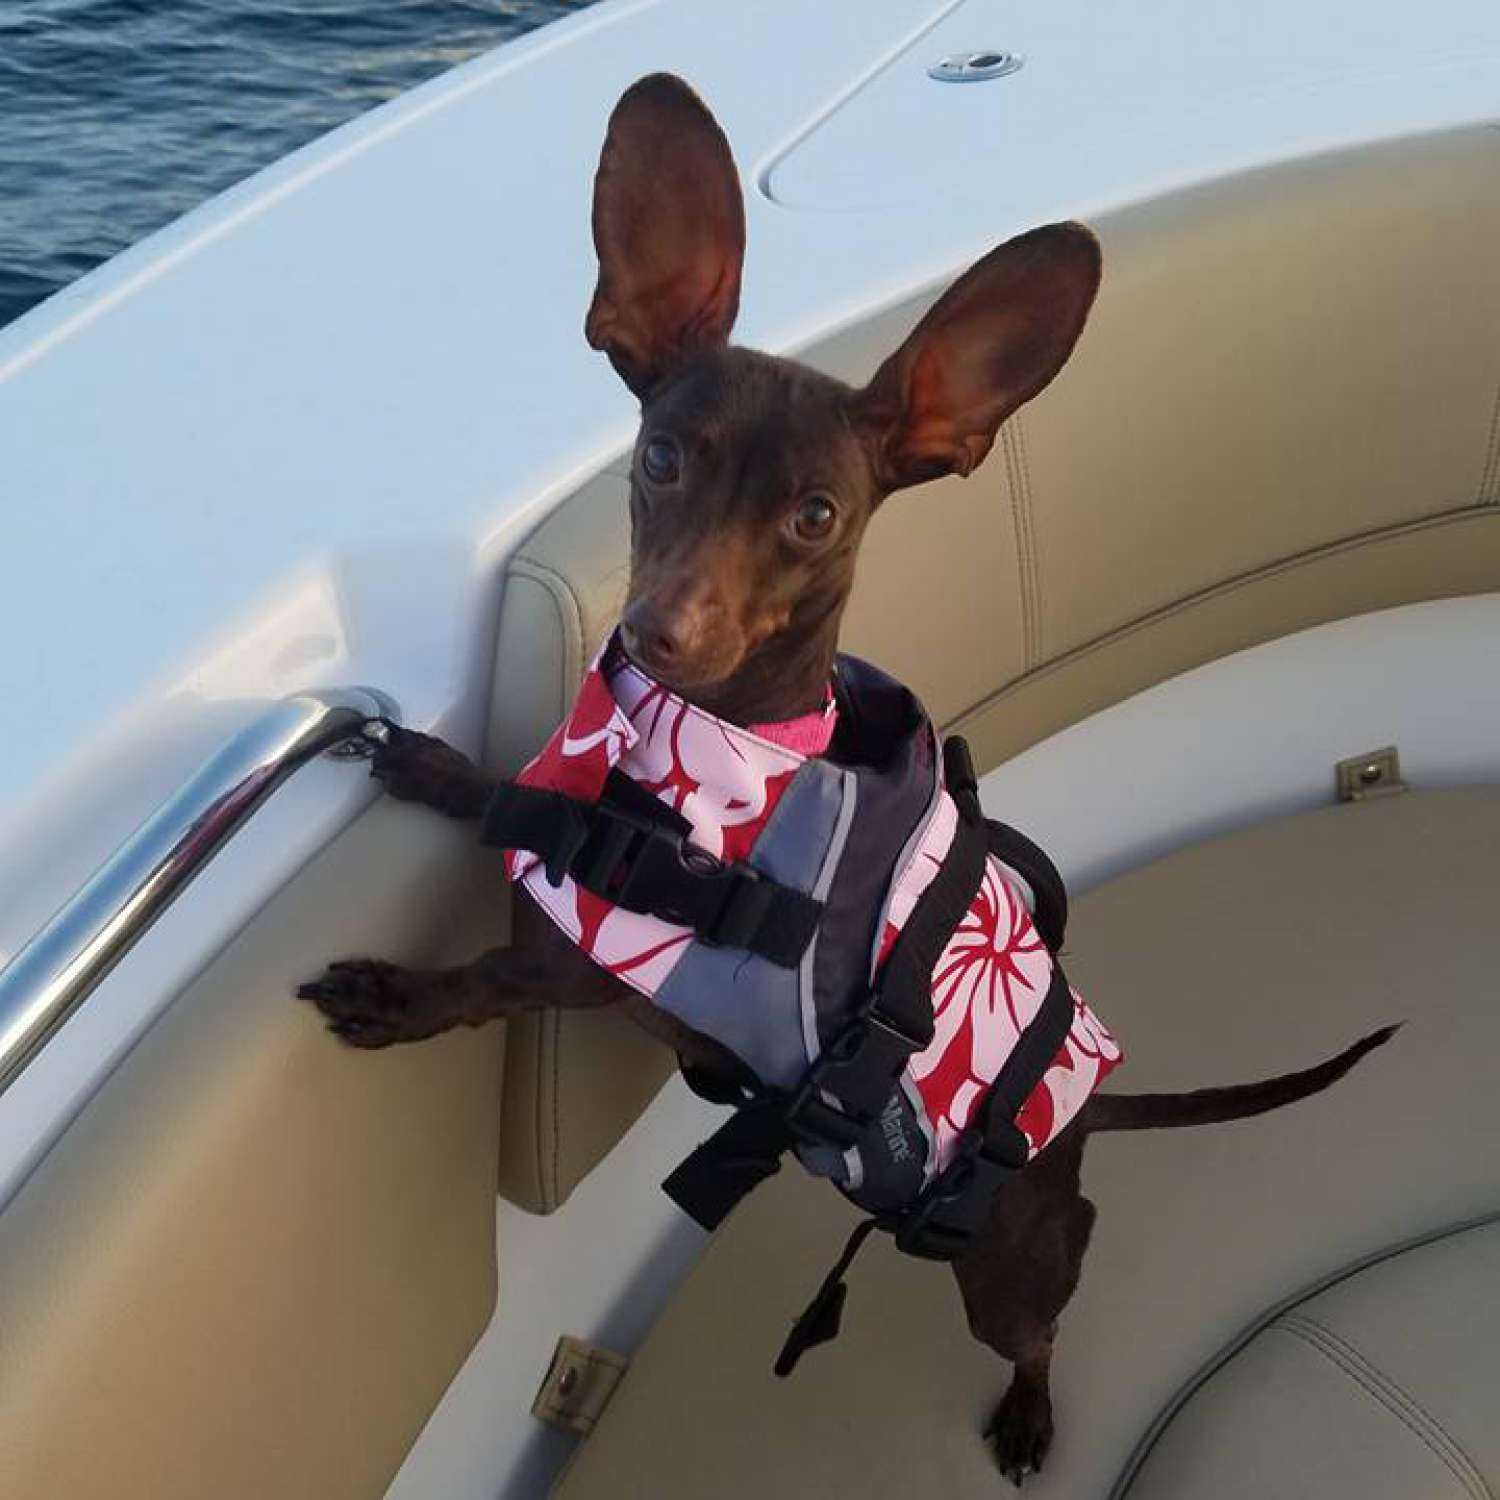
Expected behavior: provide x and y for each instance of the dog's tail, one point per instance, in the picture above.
(1213, 1106)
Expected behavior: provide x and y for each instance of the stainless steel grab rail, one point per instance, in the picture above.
(55, 972)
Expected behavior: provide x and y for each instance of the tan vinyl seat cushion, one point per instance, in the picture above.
(1285, 410)
(1386, 1386)
(1234, 959)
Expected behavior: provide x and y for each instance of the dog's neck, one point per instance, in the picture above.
(808, 734)
(786, 678)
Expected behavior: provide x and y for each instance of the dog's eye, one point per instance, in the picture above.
(814, 518)
(660, 460)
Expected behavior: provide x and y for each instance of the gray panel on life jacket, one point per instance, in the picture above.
(750, 1005)
(780, 852)
(892, 752)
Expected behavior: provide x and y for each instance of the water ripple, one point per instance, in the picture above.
(116, 116)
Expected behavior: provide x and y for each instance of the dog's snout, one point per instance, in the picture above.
(655, 639)
(686, 641)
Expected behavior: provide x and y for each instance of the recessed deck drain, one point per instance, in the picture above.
(975, 67)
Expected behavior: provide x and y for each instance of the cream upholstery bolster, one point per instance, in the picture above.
(1287, 376)
(575, 1081)
(1449, 555)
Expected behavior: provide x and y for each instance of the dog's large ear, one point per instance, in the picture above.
(994, 339)
(669, 226)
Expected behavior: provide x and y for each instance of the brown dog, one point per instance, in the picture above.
(752, 483)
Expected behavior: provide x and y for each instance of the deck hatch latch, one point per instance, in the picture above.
(579, 1383)
(1376, 773)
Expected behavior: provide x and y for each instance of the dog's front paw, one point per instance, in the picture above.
(1021, 1430)
(415, 767)
(374, 1004)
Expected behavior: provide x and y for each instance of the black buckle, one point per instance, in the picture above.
(747, 899)
(619, 849)
(859, 1067)
(817, 1123)
(880, 1021)
(638, 855)
(644, 864)
(916, 1233)
(1002, 1150)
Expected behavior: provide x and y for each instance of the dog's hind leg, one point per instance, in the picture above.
(1015, 1281)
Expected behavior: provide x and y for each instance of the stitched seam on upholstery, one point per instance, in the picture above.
(539, 1160)
(1037, 647)
(527, 572)
(1023, 541)
(1033, 569)
(1021, 518)
(555, 1195)
(1369, 1382)
(549, 1028)
(1489, 480)
(1172, 1408)
(546, 1181)
(1386, 1379)
(1378, 1388)
(1214, 591)
(1020, 541)
(570, 611)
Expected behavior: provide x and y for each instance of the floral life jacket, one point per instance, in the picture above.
(880, 957)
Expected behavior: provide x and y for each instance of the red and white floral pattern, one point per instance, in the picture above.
(986, 988)
(726, 781)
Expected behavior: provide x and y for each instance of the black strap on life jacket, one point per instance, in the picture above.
(1030, 862)
(944, 1219)
(634, 851)
(855, 1075)
(851, 1081)
(842, 1094)
(953, 1208)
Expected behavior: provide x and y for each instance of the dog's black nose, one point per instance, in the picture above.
(650, 636)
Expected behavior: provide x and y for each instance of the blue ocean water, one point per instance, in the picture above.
(116, 116)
